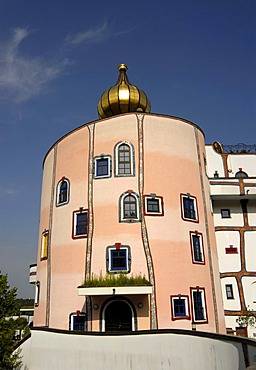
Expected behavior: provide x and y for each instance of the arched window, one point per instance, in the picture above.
(129, 207)
(62, 192)
(124, 159)
(241, 174)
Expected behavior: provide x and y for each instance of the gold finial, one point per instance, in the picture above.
(123, 97)
(122, 67)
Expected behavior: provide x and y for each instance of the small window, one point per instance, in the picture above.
(102, 167)
(189, 208)
(37, 293)
(153, 205)
(44, 245)
(198, 305)
(77, 321)
(180, 307)
(118, 259)
(196, 240)
(62, 192)
(124, 159)
(80, 224)
(225, 213)
(241, 174)
(229, 291)
(129, 210)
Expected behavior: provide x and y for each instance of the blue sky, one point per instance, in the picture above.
(194, 59)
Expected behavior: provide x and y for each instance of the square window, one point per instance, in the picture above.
(225, 213)
(196, 240)
(198, 305)
(189, 208)
(77, 321)
(118, 259)
(102, 167)
(229, 291)
(180, 307)
(80, 224)
(153, 205)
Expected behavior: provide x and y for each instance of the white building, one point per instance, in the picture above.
(232, 176)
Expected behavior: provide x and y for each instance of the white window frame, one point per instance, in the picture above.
(74, 314)
(202, 291)
(160, 202)
(187, 313)
(37, 293)
(96, 159)
(121, 207)
(109, 259)
(132, 159)
(188, 196)
(75, 213)
(194, 233)
(58, 203)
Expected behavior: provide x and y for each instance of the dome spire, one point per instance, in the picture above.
(123, 97)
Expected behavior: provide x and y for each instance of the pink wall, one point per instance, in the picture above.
(171, 167)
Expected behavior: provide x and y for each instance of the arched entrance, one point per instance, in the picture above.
(118, 316)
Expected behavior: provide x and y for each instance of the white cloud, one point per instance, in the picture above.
(22, 78)
(6, 191)
(95, 34)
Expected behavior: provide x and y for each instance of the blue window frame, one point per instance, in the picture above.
(189, 208)
(102, 166)
(118, 259)
(79, 323)
(179, 307)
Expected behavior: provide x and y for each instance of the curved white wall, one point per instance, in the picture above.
(49, 350)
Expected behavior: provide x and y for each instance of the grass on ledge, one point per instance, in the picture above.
(115, 280)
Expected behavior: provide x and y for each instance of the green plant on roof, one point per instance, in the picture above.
(115, 280)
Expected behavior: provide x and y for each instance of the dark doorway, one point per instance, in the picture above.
(118, 316)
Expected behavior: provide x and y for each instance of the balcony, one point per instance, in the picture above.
(115, 284)
(32, 273)
(113, 290)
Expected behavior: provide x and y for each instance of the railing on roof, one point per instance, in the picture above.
(239, 148)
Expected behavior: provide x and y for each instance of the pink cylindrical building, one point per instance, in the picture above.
(126, 238)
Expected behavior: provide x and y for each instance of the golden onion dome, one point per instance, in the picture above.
(123, 97)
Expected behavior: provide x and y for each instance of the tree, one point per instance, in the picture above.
(247, 318)
(9, 326)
